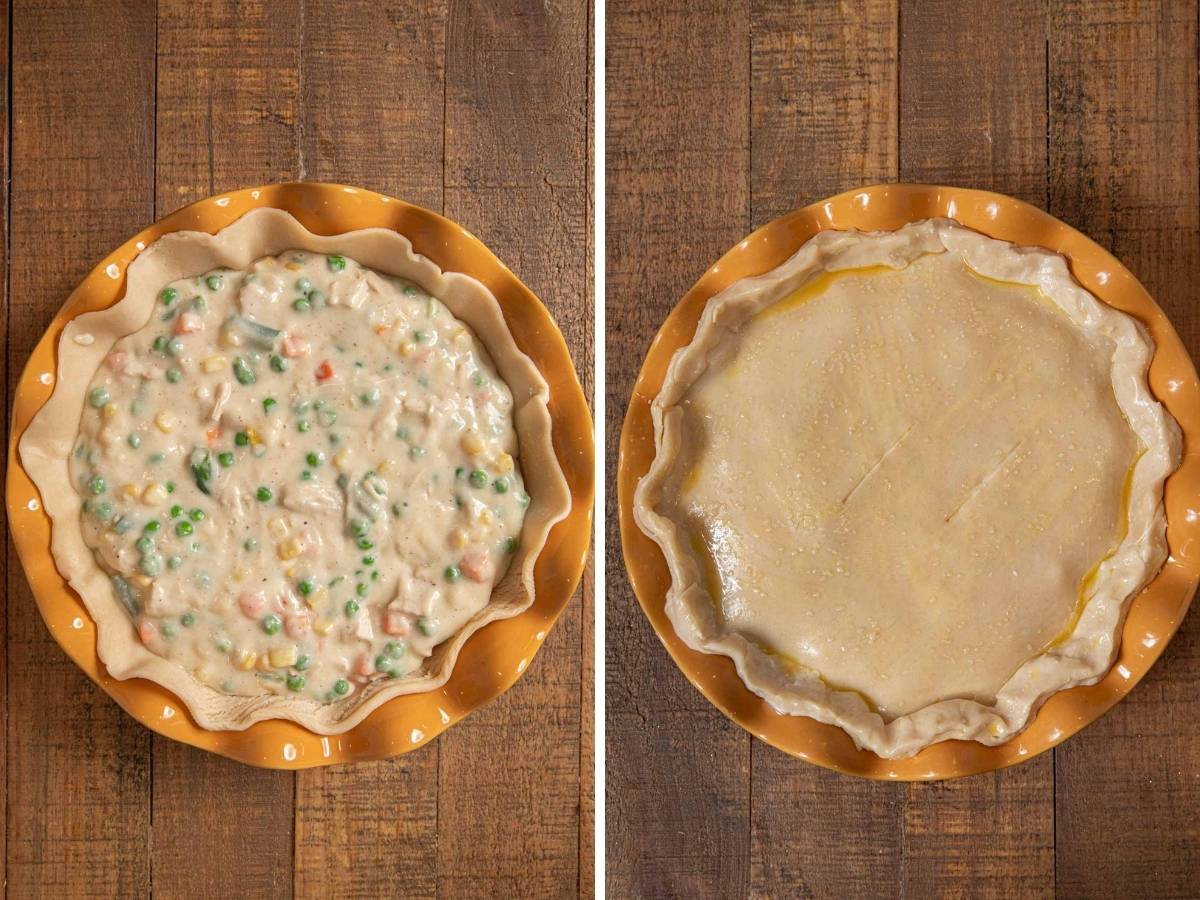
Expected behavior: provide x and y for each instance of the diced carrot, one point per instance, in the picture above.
(293, 346)
(381, 329)
(324, 370)
(147, 631)
(396, 623)
(188, 323)
(364, 665)
(252, 604)
(213, 434)
(477, 565)
(297, 625)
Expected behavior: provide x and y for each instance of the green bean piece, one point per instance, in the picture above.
(242, 371)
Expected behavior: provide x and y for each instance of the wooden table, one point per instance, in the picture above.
(724, 114)
(119, 114)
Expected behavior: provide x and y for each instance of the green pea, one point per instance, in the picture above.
(98, 397)
(500, 485)
(402, 432)
(416, 452)
(102, 510)
(303, 285)
(301, 305)
(452, 574)
(250, 545)
(159, 344)
(151, 527)
(242, 371)
(155, 458)
(199, 304)
(174, 347)
(176, 511)
(150, 565)
(214, 282)
(144, 545)
(360, 589)
(478, 478)
(271, 623)
(303, 661)
(420, 336)
(410, 291)
(269, 403)
(302, 426)
(341, 687)
(167, 296)
(510, 545)
(295, 682)
(187, 620)
(134, 441)
(184, 528)
(328, 417)
(196, 515)
(279, 364)
(368, 560)
(97, 485)
(523, 499)
(351, 608)
(241, 439)
(314, 459)
(170, 487)
(169, 630)
(223, 645)
(336, 263)
(264, 494)
(225, 459)
(382, 663)
(306, 587)
(365, 544)
(359, 527)
(174, 562)
(393, 649)
(425, 626)
(174, 375)
(306, 475)
(458, 472)
(316, 298)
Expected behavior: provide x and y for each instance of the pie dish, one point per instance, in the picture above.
(431, 695)
(892, 208)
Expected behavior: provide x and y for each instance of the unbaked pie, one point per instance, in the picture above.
(908, 482)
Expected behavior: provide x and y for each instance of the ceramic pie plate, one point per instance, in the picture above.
(493, 658)
(1154, 615)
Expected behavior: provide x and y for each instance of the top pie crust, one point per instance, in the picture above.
(912, 498)
(87, 339)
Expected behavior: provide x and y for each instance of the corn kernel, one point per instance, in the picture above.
(289, 549)
(154, 494)
(143, 581)
(405, 348)
(317, 597)
(293, 266)
(385, 467)
(486, 517)
(341, 459)
(245, 660)
(241, 573)
(132, 491)
(230, 339)
(264, 663)
(279, 527)
(164, 422)
(323, 626)
(213, 364)
(110, 411)
(472, 443)
(203, 675)
(458, 539)
(282, 657)
(504, 463)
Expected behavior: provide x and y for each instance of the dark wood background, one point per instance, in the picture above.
(118, 113)
(724, 114)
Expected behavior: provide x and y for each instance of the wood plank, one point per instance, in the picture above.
(678, 155)
(516, 175)
(973, 112)
(82, 171)
(228, 116)
(824, 82)
(5, 81)
(1123, 154)
(373, 88)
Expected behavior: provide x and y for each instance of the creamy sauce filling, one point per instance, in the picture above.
(301, 477)
(901, 480)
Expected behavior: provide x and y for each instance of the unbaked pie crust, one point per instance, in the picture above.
(909, 482)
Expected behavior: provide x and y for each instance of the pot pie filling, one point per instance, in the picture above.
(899, 492)
(300, 477)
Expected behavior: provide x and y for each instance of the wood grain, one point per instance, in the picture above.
(991, 835)
(516, 175)
(82, 168)
(221, 827)
(5, 82)
(373, 103)
(1123, 152)
(678, 779)
(824, 89)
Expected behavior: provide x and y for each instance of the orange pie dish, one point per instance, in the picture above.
(269, 653)
(858, 562)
